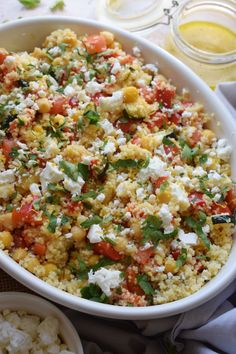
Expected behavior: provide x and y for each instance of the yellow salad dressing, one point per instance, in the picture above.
(208, 37)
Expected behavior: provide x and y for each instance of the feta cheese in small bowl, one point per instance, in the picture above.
(29, 323)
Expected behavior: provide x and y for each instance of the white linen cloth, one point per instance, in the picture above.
(207, 329)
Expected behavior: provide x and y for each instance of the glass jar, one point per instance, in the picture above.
(203, 36)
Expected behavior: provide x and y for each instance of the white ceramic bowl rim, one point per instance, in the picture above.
(213, 287)
(35, 305)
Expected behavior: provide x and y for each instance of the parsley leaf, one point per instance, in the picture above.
(163, 186)
(103, 263)
(91, 221)
(69, 169)
(188, 154)
(144, 284)
(197, 225)
(90, 194)
(58, 5)
(151, 230)
(30, 4)
(182, 257)
(94, 293)
(129, 163)
(83, 170)
(167, 141)
(65, 219)
(14, 152)
(203, 159)
(92, 116)
(52, 223)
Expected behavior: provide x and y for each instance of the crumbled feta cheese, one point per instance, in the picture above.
(198, 171)
(73, 186)
(206, 229)
(54, 51)
(155, 169)
(187, 114)
(93, 87)
(160, 269)
(121, 141)
(7, 176)
(107, 126)
(106, 279)
(217, 197)
(165, 215)
(50, 174)
(34, 189)
(136, 52)
(223, 150)
(188, 238)
(127, 215)
(95, 234)
(101, 197)
(180, 196)
(112, 103)
(51, 148)
(109, 148)
(150, 67)
(140, 193)
(116, 68)
(69, 90)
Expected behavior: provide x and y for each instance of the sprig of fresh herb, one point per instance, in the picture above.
(144, 284)
(129, 163)
(52, 223)
(92, 116)
(188, 154)
(203, 159)
(90, 194)
(152, 230)
(94, 293)
(74, 171)
(197, 225)
(30, 4)
(94, 220)
(58, 5)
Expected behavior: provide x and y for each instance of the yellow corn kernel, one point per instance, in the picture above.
(49, 267)
(6, 238)
(93, 259)
(58, 120)
(31, 264)
(164, 197)
(44, 105)
(18, 254)
(108, 36)
(130, 94)
(38, 129)
(170, 266)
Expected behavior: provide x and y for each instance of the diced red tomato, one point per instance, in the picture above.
(231, 200)
(29, 240)
(195, 138)
(136, 140)
(220, 208)
(73, 207)
(18, 239)
(3, 56)
(143, 255)
(107, 250)
(39, 249)
(173, 150)
(196, 199)
(73, 101)
(165, 95)
(95, 44)
(128, 59)
(175, 119)
(7, 146)
(58, 105)
(158, 182)
(41, 161)
(25, 215)
(148, 94)
(175, 254)
(131, 282)
(158, 119)
(127, 127)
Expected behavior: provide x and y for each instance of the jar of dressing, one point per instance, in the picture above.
(203, 36)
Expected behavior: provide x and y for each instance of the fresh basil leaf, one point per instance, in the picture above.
(91, 221)
(52, 223)
(69, 169)
(83, 170)
(181, 260)
(92, 116)
(144, 284)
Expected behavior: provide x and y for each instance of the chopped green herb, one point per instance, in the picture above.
(14, 152)
(92, 116)
(20, 122)
(107, 219)
(109, 240)
(91, 221)
(69, 169)
(94, 293)
(103, 263)
(90, 194)
(163, 186)
(203, 159)
(63, 46)
(151, 230)
(64, 220)
(181, 260)
(52, 187)
(144, 284)
(83, 171)
(188, 154)
(167, 141)
(30, 4)
(129, 163)
(36, 204)
(52, 223)
(197, 225)
(58, 5)
(9, 207)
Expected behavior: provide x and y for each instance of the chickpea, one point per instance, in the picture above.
(108, 36)
(78, 233)
(6, 238)
(170, 266)
(44, 105)
(49, 267)
(93, 259)
(130, 94)
(31, 264)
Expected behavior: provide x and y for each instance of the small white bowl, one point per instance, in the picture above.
(35, 305)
